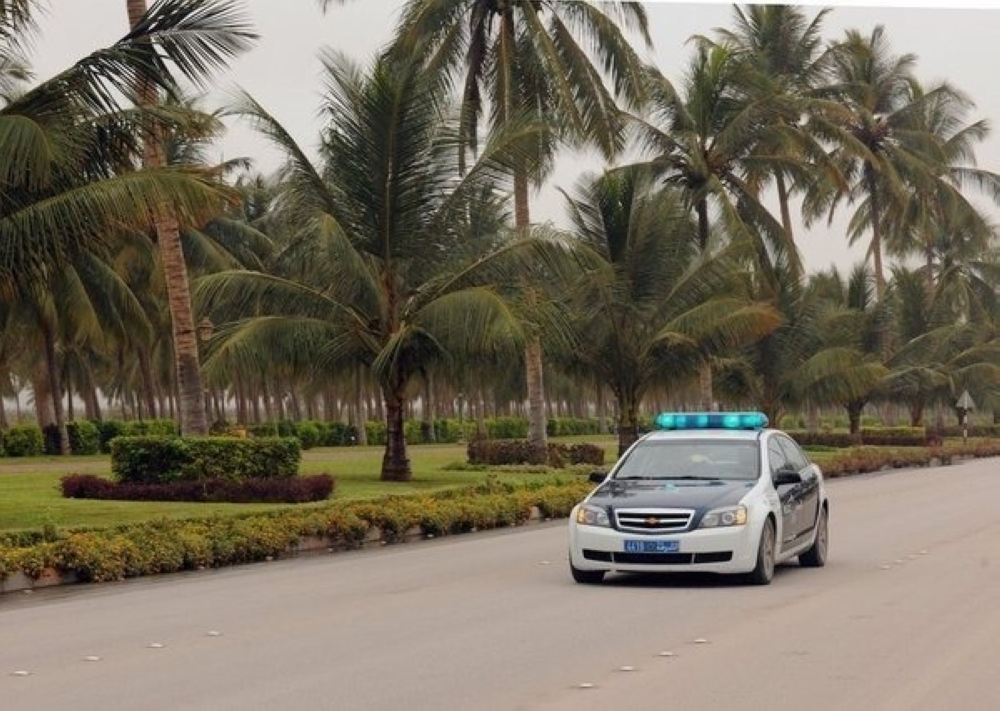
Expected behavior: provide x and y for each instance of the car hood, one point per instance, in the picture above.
(670, 493)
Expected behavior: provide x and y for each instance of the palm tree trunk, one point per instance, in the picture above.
(705, 387)
(41, 386)
(537, 420)
(148, 386)
(786, 213)
(628, 422)
(701, 209)
(55, 387)
(786, 224)
(168, 238)
(360, 408)
(876, 244)
(430, 409)
(854, 409)
(537, 435)
(395, 462)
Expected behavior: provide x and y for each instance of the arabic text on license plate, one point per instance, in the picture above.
(632, 546)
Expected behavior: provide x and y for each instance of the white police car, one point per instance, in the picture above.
(714, 492)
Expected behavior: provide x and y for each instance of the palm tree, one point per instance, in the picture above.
(937, 218)
(699, 139)
(938, 356)
(659, 304)
(548, 58)
(785, 51)
(67, 146)
(222, 33)
(849, 369)
(881, 140)
(371, 278)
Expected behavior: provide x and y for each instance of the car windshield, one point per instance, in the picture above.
(691, 459)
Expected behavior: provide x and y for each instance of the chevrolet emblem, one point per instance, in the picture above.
(652, 521)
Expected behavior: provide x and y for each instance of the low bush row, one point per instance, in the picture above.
(501, 452)
(90, 437)
(862, 460)
(873, 436)
(289, 490)
(85, 436)
(173, 545)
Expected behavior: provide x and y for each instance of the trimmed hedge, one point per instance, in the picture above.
(518, 451)
(155, 460)
(289, 490)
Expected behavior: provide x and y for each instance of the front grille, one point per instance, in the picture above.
(659, 558)
(653, 520)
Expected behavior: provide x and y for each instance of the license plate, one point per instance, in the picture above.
(632, 546)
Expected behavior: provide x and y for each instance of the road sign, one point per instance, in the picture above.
(965, 401)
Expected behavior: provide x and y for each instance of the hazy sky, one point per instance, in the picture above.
(282, 72)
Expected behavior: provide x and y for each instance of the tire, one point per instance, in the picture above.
(586, 577)
(815, 557)
(763, 573)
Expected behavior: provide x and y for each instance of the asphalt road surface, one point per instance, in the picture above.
(905, 616)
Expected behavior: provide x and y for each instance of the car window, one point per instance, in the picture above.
(793, 453)
(775, 456)
(701, 459)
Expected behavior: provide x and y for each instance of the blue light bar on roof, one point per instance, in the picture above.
(711, 420)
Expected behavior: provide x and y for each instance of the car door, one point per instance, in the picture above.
(806, 493)
(787, 494)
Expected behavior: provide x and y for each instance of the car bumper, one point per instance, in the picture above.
(718, 550)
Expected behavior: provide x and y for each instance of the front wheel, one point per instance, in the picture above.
(815, 557)
(763, 573)
(586, 577)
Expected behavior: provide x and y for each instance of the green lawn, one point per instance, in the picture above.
(30, 496)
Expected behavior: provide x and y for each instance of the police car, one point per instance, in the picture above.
(716, 492)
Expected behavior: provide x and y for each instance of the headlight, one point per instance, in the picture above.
(592, 516)
(726, 516)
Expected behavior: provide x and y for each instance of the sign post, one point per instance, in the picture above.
(963, 405)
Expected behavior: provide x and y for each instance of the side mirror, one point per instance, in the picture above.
(787, 476)
(598, 477)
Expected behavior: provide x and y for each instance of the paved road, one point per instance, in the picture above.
(905, 616)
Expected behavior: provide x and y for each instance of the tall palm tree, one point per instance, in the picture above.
(659, 303)
(373, 281)
(67, 145)
(881, 141)
(549, 58)
(938, 218)
(785, 50)
(698, 139)
(223, 32)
